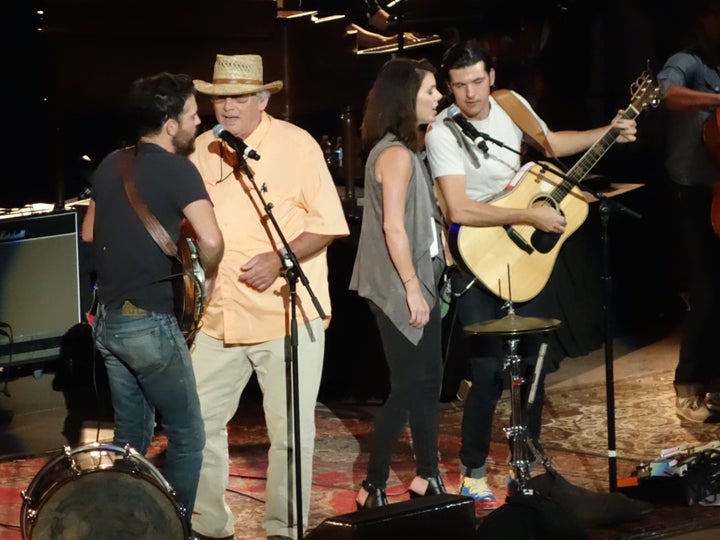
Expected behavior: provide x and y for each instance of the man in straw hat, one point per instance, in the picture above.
(246, 324)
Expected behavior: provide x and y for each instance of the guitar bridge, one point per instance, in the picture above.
(518, 240)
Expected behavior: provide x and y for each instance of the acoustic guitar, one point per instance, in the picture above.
(188, 284)
(520, 256)
(711, 138)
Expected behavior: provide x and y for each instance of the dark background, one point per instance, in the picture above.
(573, 59)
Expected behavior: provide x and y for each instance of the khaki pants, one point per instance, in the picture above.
(222, 373)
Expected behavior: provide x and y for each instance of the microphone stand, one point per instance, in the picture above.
(607, 207)
(291, 273)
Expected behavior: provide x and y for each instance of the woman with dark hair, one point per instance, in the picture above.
(397, 268)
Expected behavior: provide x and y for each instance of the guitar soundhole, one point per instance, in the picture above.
(544, 241)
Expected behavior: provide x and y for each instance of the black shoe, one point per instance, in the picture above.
(435, 487)
(376, 497)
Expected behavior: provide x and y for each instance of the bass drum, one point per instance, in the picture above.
(101, 491)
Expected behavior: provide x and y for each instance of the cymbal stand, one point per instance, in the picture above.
(511, 327)
(523, 450)
(517, 432)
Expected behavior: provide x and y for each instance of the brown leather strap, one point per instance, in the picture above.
(523, 118)
(153, 226)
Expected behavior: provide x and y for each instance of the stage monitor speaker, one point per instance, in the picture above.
(436, 517)
(39, 285)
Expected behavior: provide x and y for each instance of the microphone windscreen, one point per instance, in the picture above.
(453, 111)
(217, 130)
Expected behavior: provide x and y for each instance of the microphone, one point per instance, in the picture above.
(235, 143)
(477, 137)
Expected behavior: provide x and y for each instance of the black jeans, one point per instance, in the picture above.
(487, 353)
(415, 383)
(698, 369)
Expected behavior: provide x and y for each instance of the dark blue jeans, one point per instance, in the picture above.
(698, 251)
(487, 353)
(415, 383)
(149, 369)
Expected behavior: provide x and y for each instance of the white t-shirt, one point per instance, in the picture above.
(496, 168)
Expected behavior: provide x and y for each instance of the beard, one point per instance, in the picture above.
(184, 146)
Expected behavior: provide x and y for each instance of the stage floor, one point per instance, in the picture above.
(575, 438)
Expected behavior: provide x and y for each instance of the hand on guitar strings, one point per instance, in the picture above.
(626, 127)
(546, 219)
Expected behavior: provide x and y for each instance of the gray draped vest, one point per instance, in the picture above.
(374, 276)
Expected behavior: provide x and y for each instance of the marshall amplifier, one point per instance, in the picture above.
(39, 285)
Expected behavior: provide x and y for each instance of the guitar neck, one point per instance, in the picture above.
(583, 166)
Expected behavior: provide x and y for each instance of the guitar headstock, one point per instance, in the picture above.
(646, 92)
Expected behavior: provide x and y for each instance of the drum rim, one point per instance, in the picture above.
(68, 453)
(33, 502)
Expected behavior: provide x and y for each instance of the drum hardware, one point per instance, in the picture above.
(101, 491)
(522, 447)
(513, 325)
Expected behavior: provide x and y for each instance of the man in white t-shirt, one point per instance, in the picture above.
(468, 177)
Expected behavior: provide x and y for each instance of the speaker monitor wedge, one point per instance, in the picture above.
(436, 517)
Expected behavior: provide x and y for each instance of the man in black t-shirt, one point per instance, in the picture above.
(147, 360)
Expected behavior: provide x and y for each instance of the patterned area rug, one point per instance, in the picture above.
(575, 419)
(574, 437)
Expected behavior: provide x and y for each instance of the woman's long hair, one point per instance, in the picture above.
(390, 105)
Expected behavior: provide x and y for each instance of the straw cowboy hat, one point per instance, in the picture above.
(237, 75)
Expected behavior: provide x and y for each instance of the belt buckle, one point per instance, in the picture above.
(128, 308)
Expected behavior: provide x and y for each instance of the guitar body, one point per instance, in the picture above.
(515, 264)
(189, 284)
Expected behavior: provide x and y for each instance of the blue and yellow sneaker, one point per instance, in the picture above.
(480, 491)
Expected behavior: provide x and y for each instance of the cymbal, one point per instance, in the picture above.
(513, 324)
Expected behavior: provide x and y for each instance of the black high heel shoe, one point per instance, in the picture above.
(376, 497)
(435, 486)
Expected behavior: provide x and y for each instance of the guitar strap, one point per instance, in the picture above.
(524, 119)
(153, 226)
(158, 233)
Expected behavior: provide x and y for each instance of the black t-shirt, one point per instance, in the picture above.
(130, 265)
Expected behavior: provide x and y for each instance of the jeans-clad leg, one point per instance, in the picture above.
(149, 369)
(486, 367)
(697, 370)
(487, 356)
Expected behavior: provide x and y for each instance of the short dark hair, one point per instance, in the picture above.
(391, 104)
(464, 54)
(155, 99)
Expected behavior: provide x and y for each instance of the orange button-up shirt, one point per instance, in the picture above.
(304, 199)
